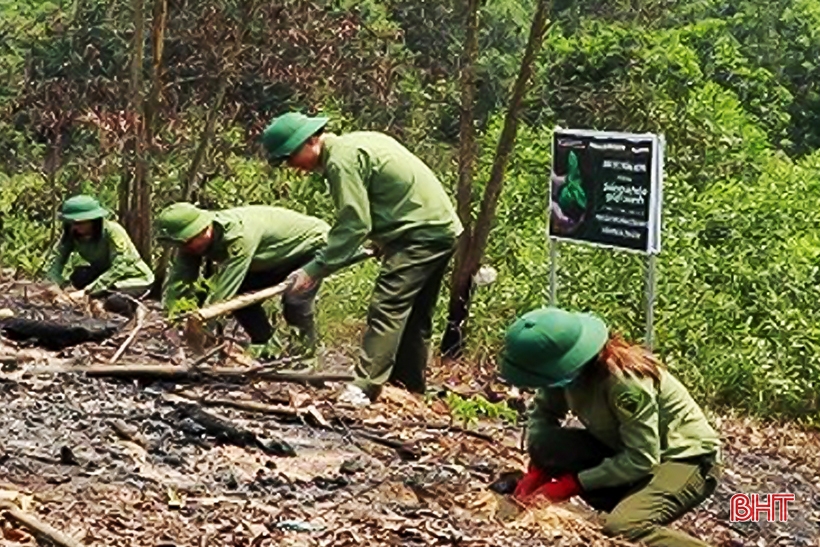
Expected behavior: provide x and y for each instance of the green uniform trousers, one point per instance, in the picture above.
(396, 344)
(638, 511)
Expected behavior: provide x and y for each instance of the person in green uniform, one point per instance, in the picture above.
(646, 454)
(254, 247)
(113, 263)
(383, 192)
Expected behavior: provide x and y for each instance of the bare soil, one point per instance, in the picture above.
(121, 462)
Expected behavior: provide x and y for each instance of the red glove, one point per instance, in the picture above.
(534, 479)
(561, 489)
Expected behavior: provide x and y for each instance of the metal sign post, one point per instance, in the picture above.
(553, 268)
(606, 191)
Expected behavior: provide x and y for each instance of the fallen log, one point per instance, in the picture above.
(54, 335)
(38, 527)
(225, 431)
(404, 450)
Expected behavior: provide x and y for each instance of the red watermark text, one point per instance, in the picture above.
(771, 507)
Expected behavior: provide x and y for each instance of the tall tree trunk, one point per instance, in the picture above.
(189, 183)
(452, 342)
(478, 242)
(159, 16)
(134, 194)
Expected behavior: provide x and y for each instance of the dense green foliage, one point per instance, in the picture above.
(732, 85)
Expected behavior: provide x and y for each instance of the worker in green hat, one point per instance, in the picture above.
(113, 265)
(381, 192)
(254, 247)
(646, 455)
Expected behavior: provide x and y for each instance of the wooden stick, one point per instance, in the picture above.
(448, 427)
(124, 346)
(302, 378)
(196, 364)
(163, 372)
(243, 300)
(173, 372)
(130, 433)
(405, 450)
(37, 526)
(251, 406)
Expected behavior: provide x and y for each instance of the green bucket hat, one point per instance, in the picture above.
(80, 208)
(180, 222)
(548, 347)
(288, 132)
(572, 193)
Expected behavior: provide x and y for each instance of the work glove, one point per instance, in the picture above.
(560, 489)
(529, 483)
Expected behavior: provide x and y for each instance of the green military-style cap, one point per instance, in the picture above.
(549, 346)
(80, 208)
(288, 132)
(180, 222)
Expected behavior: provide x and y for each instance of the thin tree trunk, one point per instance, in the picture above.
(478, 243)
(160, 15)
(132, 187)
(452, 342)
(189, 183)
(190, 186)
(145, 142)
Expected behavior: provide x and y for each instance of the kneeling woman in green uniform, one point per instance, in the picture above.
(647, 454)
(113, 263)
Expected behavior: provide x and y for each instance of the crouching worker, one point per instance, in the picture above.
(647, 454)
(114, 267)
(253, 248)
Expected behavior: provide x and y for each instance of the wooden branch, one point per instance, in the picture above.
(244, 300)
(178, 373)
(37, 526)
(196, 364)
(405, 450)
(225, 431)
(156, 372)
(452, 428)
(301, 378)
(250, 406)
(130, 434)
(506, 141)
(124, 346)
(241, 301)
(194, 327)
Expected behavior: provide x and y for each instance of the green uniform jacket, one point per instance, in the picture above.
(645, 423)
(114, 253)
(252, 238)
(381, 191)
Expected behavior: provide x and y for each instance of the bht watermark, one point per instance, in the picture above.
(748, 507)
